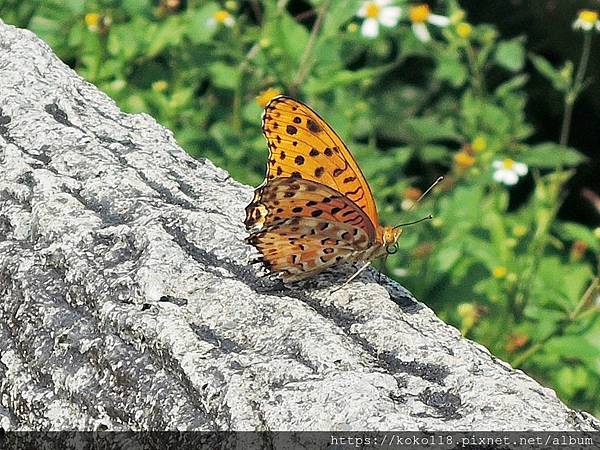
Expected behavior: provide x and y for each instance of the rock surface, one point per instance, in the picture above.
(127, 300)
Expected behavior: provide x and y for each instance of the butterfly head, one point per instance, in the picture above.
(390, 237)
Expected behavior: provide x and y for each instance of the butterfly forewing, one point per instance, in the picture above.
(294, 197)
(302, 144)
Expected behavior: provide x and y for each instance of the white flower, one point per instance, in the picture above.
(419, 15)
(587, 20)
(223, 17)
(377, 12)
(508, 171)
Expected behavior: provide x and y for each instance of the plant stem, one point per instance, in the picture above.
(575, 90)
(586, 298)
(554, 189)
(304, 66)
(236, 118)
(478, 83)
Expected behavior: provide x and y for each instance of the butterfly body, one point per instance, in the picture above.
(315, 209)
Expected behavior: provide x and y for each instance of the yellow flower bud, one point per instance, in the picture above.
(265, 96)
(479, 144)
(352, 27)
(464, 30)
(463, 160)
(92, 20)
(160, 86)
(499, 272)
(519, 230)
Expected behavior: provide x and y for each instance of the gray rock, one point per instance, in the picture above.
(128, 301)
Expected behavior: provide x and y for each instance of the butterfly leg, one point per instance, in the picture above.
(367, 264)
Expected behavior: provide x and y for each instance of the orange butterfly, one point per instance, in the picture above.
(315, 209)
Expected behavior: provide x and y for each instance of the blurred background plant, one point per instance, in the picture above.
(417, 91)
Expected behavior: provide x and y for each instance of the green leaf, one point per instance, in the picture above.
(224, 75)
(199, 31)
(571, 231)
(290, 36)
(434, 153)
(420, 130)
(135, 7)
(451, 69)
(169, 33)
(554, 75)
(338, 14)
(340, 78)
(550, 155)
(510, 54)
(574, 347)
(511, 85)
(447, 257)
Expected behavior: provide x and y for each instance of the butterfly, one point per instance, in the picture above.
(315, 209)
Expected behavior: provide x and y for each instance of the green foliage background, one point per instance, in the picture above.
(499, 266)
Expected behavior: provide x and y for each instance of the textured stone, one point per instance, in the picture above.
(127, 299)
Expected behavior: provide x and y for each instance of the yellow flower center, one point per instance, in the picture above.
(419, 13)
(519, 230)
(464, 30)
(588, 16)
(265, 96)
(499, 272)
(160, 86)
(92, 19)
(508, 163)
(372, 10)
(463, 160)
(221, 16)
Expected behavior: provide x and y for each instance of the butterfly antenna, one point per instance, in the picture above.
(434, 184)
(428, 217)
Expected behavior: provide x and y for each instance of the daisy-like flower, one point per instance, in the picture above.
(377, 12)
(420, 15)
(221, 17)
(508, 171)
(587, 20)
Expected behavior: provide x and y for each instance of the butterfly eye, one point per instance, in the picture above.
(391, 249)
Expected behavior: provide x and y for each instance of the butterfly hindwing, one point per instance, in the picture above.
(300, 247)
(301, 144)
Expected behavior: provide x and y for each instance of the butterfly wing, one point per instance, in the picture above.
(295, 197)
(300, 247)
(302, 145)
